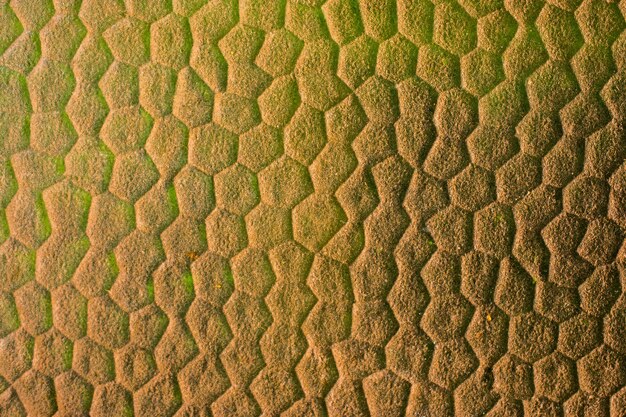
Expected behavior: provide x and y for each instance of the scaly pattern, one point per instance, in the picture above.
(312, 208)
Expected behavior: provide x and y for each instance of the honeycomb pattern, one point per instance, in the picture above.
(312, 207)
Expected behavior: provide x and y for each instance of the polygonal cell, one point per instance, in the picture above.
(538, 132)
(212, 148)
(157, 86)
(52, 353)
(494, 230)
(236, 189)
(496, 30)
(48, 73)
(279, 52)
(472, 188)
(148, 10)
(34, 308)
(268, 226)
(537, 208)
(316, 220)
(517, 177)
(93, 362)
(584, 115)
(126, 129)
(193, 99)
(487, 334)
(133, 175)
(61, 37)
(343, 19)
(556, 302)
(559, 32)
(392, 68)
(194, 193)
(120, 85)
(478, 277)
(514, 288)
(170, 41)
(552, 86)
(601, 242)
(176, 348)
(147, 325)
(279, 101)
(167, 145)
(453, 362)
(98, 15)
(602, 372)
(415, 20)
(583, 403)
(455, 115)
(600, 291)
(213, 279)
(226, 233)
(87, 109)
(599, 21)
(481, 71)
(277, 183)
(386, 393)
(454, 29)
(379, 18)
(134, 366)
(73, 394)
(36, 393)
(161, 395)
(173, 288)
(555, 377)
(563, 162)
(379, 100)
(272, 398)
(489, 147)
(184, 240)
(605, 151)
(532, 337)
(235, 113)
(129, 40)
(451, 229)
(111, 398)
(357, 61)
(373, 323)
(446, 317)
(108, 324)
(524, 54)
(586, 197)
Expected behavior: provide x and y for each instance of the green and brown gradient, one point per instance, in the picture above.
(312, 208)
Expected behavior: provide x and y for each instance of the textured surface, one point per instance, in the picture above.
(311, 208)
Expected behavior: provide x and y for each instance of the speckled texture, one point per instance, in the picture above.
(312, 208)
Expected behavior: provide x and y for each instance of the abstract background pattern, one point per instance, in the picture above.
(312, 208)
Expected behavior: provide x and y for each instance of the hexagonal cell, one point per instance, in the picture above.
(538, 132)
(586, 197)
(440, 326)
(599, 21)
(517, 178)
(496, 30)
(552, 86)
(194, 193)
(126, 129)
(235, 113)
(451, 229)
(279, 101)
(379, 100)
(133, 175)
(481, 71)
(527, 44)
(108, 324)
(343, 20)
(279, 52)
(275, 179)
(601, 242)
(53, 353)
(532, 337)
(537, 208)
(559, 32)
(46, 73)
(34, 308)
(156, 89)
(193, 99)
(36, 393)
(454, 29)
(148, 10)
(167, 146)
(93, 362)
(514, 288)
(472, 188)
(170, 41)
(212, 148)
(392, 68)
(129, 41)
(489, 148)
(226, 233)
(316, 220)
(593, 66)
(604, 151)
(236, 189)
(452, 363)
(494, 230)
(357, 61)
(602, 372)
